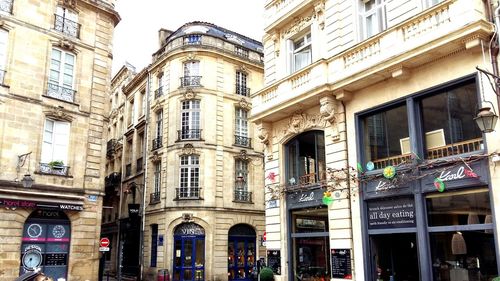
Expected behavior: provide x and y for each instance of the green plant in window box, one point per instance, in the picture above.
(266, 274)
(56, 164)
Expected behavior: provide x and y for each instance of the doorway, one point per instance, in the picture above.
(241, 252)
(189, 252)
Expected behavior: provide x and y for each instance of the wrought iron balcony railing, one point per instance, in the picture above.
(110, 148)
(154, 197)
(61, 93)
(61, 170)
(242, 90)
(189, 134)
(128, 170)
(6, 6)
(157, 143)
(159, 92)
(138, 166)
(67, 26)
(242, 196)
(182, 193)
(190, 81)
(242, 141)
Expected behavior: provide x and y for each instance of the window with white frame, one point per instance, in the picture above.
(157, 141)
(241, 127)
(61, 76)
(159, 90)
(144, 102)
(301, 52)
(6, 6)
(241, 184)
(373, 17)
(66, 21)
(4, 39)
(189, 177)
(191, 74)
(55, 142)
(190, 120)
(241, 84)
(157, 178)
(131, 112)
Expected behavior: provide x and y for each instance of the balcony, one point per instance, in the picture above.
(306, 181)
(187, 193)
(242, 90)
(110, 148)
(157, 143)
(242, 196)
(138, 165)
(189, 134)
(241, 52)
(154, 197)
(242, 141)
(47, 168)
(190, 81)
(426, 36)
(159, 92)
(67, 26)
(60, 93)
(128, 170)
(6, 6)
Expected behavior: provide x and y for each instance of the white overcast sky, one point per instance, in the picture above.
(136, 36)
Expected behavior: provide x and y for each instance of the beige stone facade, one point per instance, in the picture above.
(194, 159)
(331, 68)
(56, 63)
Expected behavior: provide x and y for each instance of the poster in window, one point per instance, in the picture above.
(274, 261)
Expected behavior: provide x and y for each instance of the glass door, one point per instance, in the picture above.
(189, 258)
(241, 257)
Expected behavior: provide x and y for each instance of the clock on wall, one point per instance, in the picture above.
(34, 230)
(58, 231)
(32, 259)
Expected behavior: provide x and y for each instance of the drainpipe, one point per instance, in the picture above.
(494, 18)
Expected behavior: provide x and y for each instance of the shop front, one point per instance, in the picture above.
(309, 247)
(427, 198)
(189, 252)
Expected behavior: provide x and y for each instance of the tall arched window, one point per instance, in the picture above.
(45, 243)
(189, 252)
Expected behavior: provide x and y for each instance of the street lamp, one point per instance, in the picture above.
(486, 120)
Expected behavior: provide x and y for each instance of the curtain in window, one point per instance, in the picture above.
(55, 141)
(241, 123)
(62, 68)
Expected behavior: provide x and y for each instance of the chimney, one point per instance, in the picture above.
(162, 35)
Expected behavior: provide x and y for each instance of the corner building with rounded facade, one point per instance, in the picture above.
(203, 167)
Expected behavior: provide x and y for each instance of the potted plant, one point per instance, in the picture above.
(56, 164)
(266, 274)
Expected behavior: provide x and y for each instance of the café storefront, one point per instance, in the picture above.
(437, 223)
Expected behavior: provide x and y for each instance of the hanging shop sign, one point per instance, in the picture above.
(15, 203)
(274, 261)
(394, 213)
(341, 263)
(133, 210)
(455, 177)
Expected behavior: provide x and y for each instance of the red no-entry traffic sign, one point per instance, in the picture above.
(104, 242)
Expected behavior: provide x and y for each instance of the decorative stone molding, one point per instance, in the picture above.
(65, 44)
(156, 105)
(188, 149)
(299, 123)
(191, 56)
(189, 94)
(328, 110)
(155, 158)
(243, 68)
(400, 72)
(298, 24)
(68, 3)
(276, 41)
(113, 113)
(263, 130)
(243, 155)
(319, 14)
(244, 104)
(57, 113)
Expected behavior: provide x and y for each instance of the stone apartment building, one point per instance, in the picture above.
(375, 166)
(55, 63)
(189, 159)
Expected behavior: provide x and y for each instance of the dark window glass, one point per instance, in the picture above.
(448, 122)
(154, 244)
(386, 137)
(395, 257)
(306, 158)
(311, 258)
(459, 208)
(465, 255)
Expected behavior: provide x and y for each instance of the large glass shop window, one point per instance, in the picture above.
(310, 244)
(189, 252)
(467, 252)
(306, 159)
(241, 252)
(45, 244)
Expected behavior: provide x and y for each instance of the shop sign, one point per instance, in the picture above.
(394, 213)
(305, 198)
(14, 203)
(133, 210)
(271, 204)
(458, 174)
(274, 261)
(341, 263)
